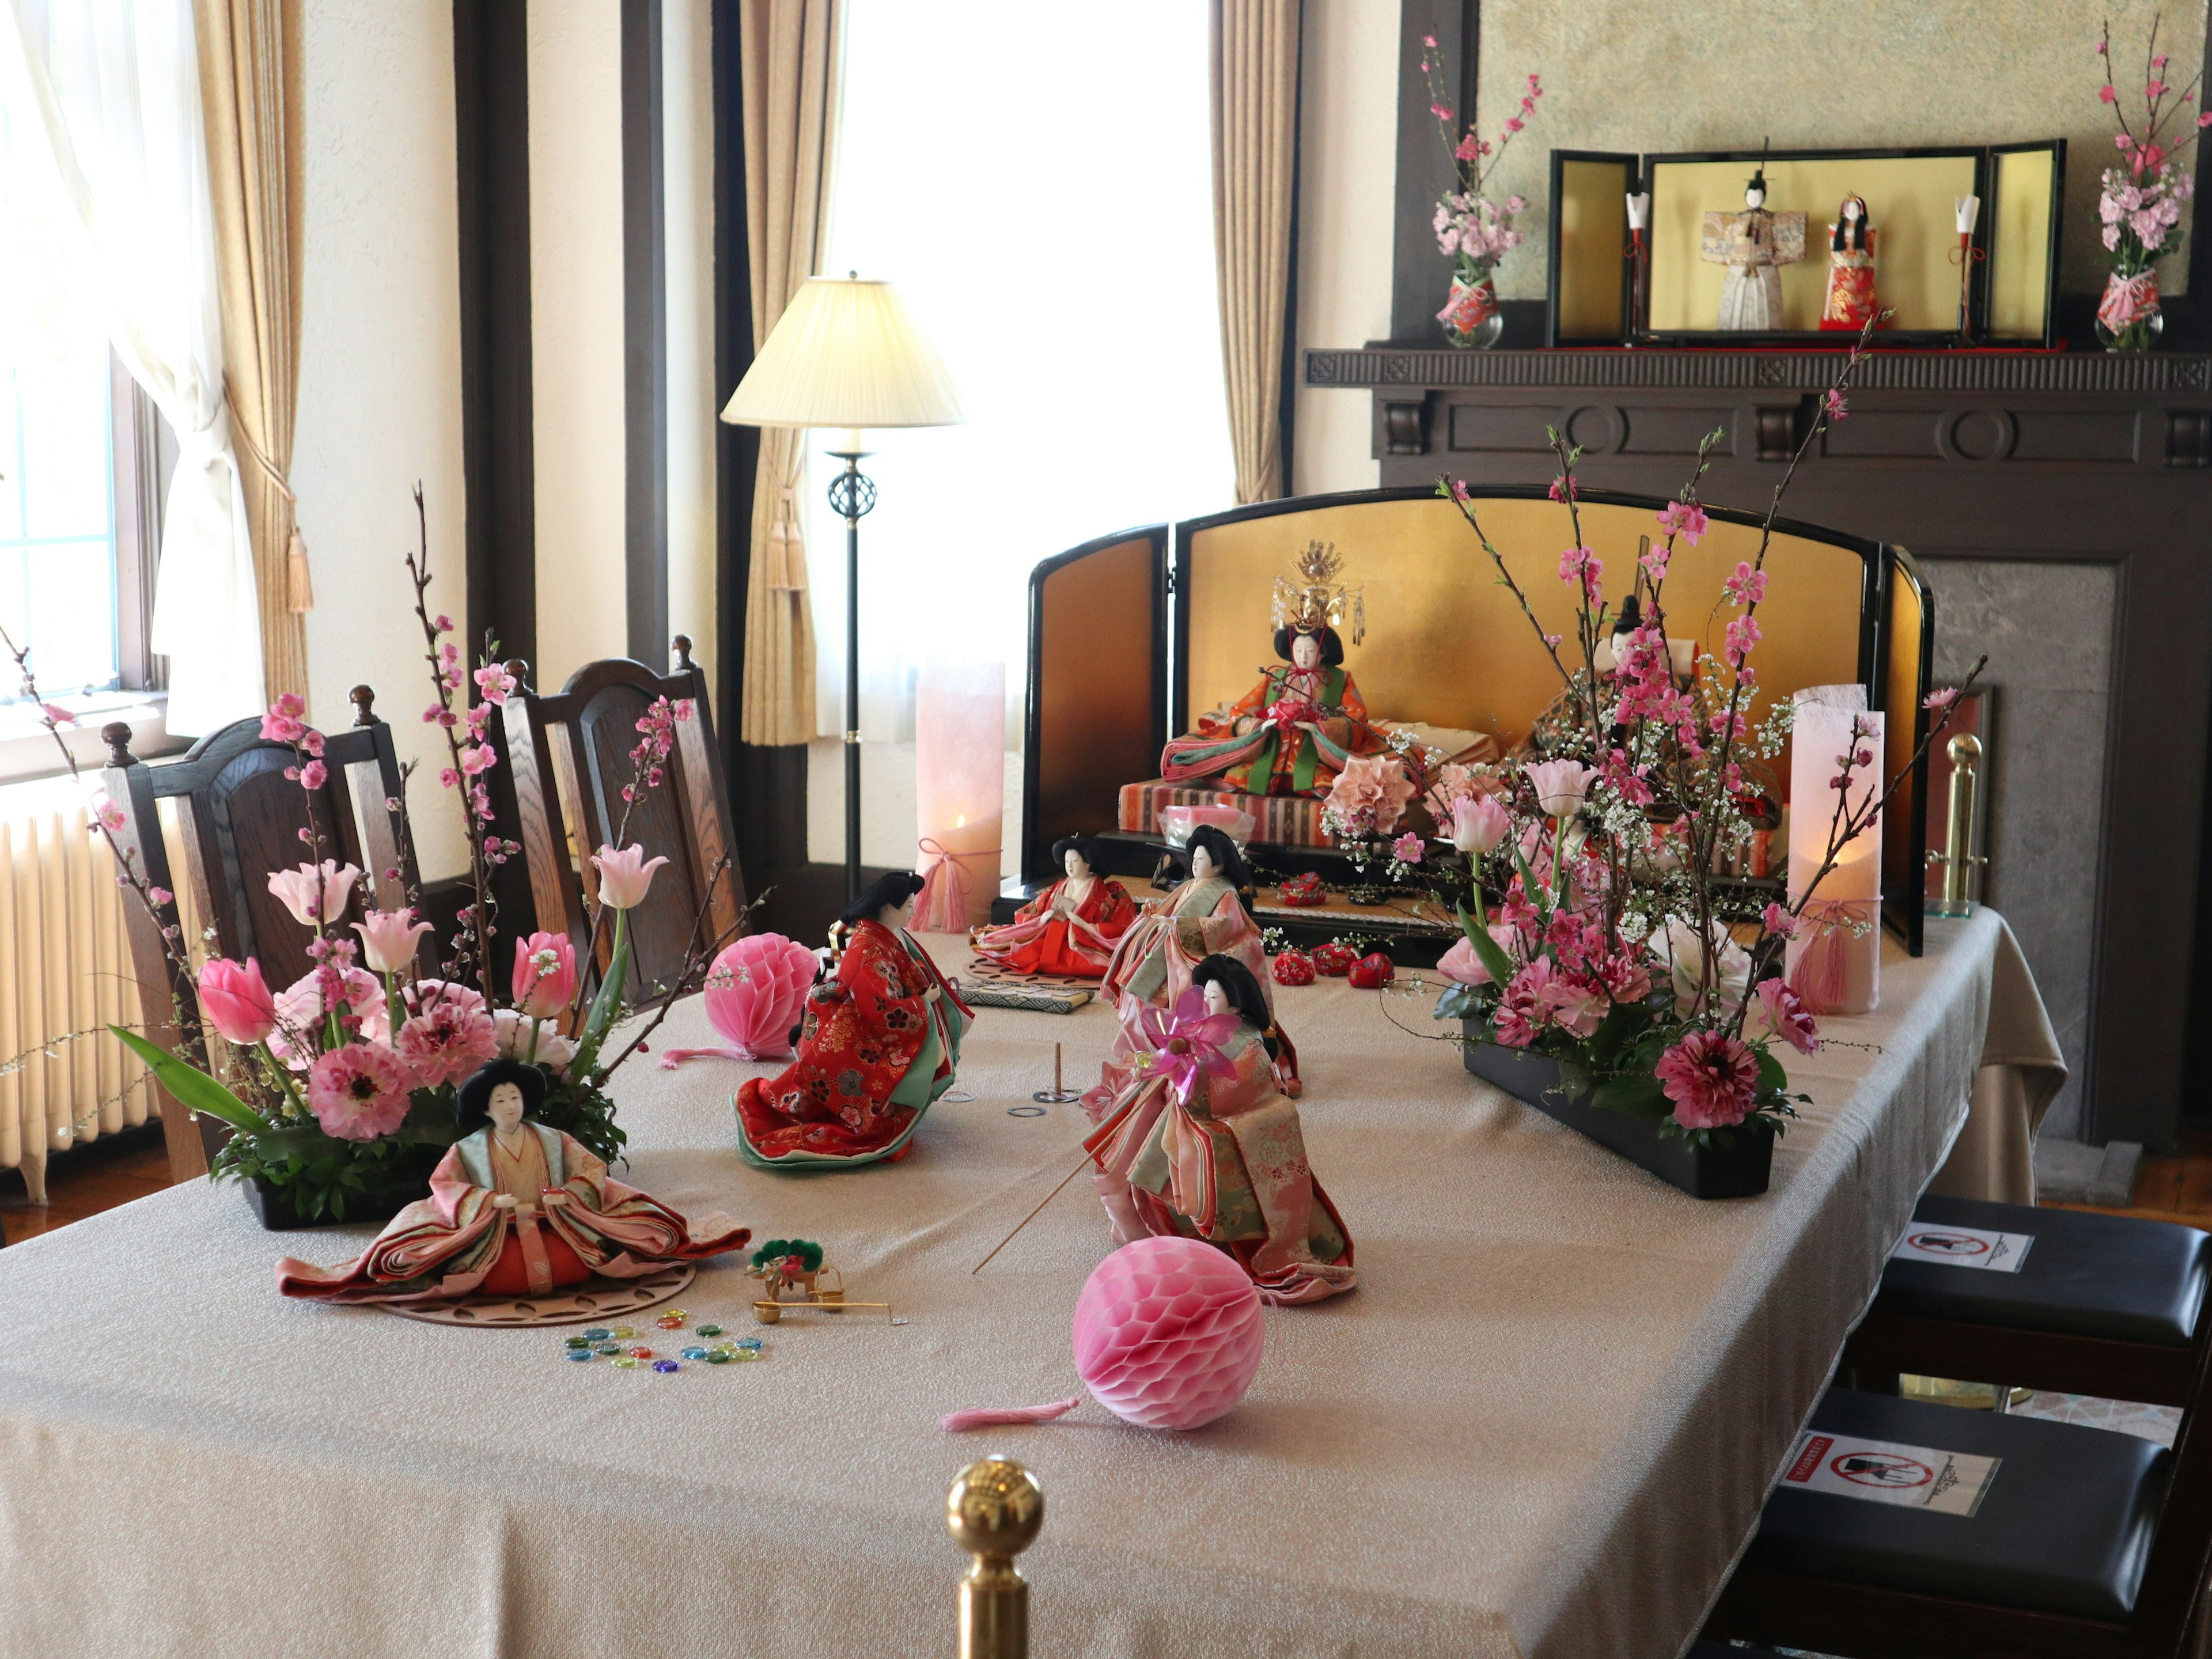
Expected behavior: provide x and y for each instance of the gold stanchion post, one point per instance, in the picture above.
(994, 1511)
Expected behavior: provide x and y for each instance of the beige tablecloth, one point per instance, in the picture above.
(1542, 1426)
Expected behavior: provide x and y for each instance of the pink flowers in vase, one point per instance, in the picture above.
(2141, 199)
(1472, 229)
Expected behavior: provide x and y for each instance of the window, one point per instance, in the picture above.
(78, 472)
(1037, 180)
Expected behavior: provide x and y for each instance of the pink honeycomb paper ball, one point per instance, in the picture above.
(755, 990)
(1168, 1333)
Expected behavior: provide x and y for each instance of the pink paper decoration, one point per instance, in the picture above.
(754, 992)
(1168, 1333)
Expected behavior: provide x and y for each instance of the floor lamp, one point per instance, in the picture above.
(845, 354)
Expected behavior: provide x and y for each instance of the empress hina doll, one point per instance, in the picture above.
(879, 1044)
(516, 1208)
(1292, 733)
(1198, 1143)
(1851, 299)
(1070, 928)
(1204, 915)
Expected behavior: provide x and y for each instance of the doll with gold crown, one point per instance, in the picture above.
(1292, 733)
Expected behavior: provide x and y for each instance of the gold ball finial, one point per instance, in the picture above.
(1964, 749)
(995, 1509)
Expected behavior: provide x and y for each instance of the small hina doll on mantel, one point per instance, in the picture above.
(1203, 915)
(1851, 300)
(516, 1208)
(879, 1044)
(1198, 1142)
(1070, 928)
(1292, 733)
(1754, 245)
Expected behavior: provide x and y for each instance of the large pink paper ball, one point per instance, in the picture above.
(1167, 1333)
(755, 990)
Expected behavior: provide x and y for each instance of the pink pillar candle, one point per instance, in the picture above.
(1834, 962)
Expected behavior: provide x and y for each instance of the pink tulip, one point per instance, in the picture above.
(754, 991)
(312, 896)
(236, 1000)
(1479, 825)
(624, 875)
(388, 939)
(545, 974)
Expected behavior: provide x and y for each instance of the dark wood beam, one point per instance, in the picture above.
(645, 333)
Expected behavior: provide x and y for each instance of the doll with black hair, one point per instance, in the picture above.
(878, 1047)
(516, 1208)
(1289, 735)
(1070, 928)
(1222, 1159)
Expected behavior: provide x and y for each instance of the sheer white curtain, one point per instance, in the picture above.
(1037, 180)
(116, 86)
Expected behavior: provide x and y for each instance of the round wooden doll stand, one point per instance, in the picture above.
(595, 1298)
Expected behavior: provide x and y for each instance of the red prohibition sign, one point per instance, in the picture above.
(1881, 1469)
(1949, 1244)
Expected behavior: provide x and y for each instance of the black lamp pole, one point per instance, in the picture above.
(852, 494)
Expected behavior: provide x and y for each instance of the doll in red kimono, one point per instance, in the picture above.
(1851, 299)
(1071, 927)
(878, 1047)
(516, 1208)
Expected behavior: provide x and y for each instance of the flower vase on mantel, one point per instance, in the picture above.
(1471, 317)
(1470, 226)
(2141, 199)
(2128, 317)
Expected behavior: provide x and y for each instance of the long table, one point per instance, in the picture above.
(1543, 1425)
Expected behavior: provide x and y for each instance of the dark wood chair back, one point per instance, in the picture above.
(237, 820)
(569, 756)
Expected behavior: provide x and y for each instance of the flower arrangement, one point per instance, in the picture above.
(1471, 228)
(341, 1086)
(2140, 202)
(1655, 986)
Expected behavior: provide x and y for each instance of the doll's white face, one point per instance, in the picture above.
(898, 915)
(1216, 998)
(1851, 210)
(505, 1107)
(1306, 651)
(1754, 198)
(1202, 866)
(1076, 865)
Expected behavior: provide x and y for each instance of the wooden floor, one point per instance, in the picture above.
(113, 1170)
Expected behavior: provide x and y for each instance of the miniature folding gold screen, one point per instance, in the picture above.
(1448, 645)
(1909, 202)
(1097, 725)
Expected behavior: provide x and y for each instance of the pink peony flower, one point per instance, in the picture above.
(1408, 848)
(1375, 784)
(358, 1092)
(236, 1000)
(1711, 1077)
(1479, 824)
(1560, 785)
(1786, 1015)
(388, 938)
(545, 974)
(1683, 518)
(311, 895)
(624, 876)
(447, 1042)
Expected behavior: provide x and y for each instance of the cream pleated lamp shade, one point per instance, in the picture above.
(845, 354)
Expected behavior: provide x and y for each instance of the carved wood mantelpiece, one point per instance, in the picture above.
(2054, 458)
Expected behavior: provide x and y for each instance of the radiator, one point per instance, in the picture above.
(64, 977)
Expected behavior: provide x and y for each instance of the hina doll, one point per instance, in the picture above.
(878, 1045)
(516, 1208)
(1851, 300)
(1198, 1143)
(1292, 733)
(1204, 915)
(1754, 244)
(1071, 927)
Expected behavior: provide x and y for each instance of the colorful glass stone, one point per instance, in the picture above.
(607, 1348)
(674, 1313)
(576, 1342)
(624, 1333)
(640, 1353)
(710, 1330)
(670, 1324)
(598, 1334)
(666, 1365)
(716, 1357)
(625, 1363)
(579, 1353)
(695, 1353)
(751, 1344)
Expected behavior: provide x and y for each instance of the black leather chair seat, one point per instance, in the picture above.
(2065, 1528)
(2099, 1276)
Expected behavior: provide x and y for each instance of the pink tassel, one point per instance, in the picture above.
(670, 1059)
(961, 1422)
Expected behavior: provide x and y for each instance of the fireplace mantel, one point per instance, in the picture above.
(2061, 467)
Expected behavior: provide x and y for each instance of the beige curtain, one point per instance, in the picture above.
(249, 53)
(1255, 135)
(789, 54)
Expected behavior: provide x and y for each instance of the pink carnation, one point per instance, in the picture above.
(358, 1092)
(1711, 1077)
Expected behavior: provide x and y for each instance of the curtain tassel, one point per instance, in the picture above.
(299, 583)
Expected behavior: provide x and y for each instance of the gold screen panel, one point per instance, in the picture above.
(1904, 684)
(2020, 243)
(1592, 210)
(1447, 643)
(1908, 199)
(1094, 673)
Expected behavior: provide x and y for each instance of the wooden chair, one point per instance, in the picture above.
(2088, 1544)
(569, 754)
(238, 819)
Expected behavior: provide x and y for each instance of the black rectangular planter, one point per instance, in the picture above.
(1740, 1171)
(273, 1206)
